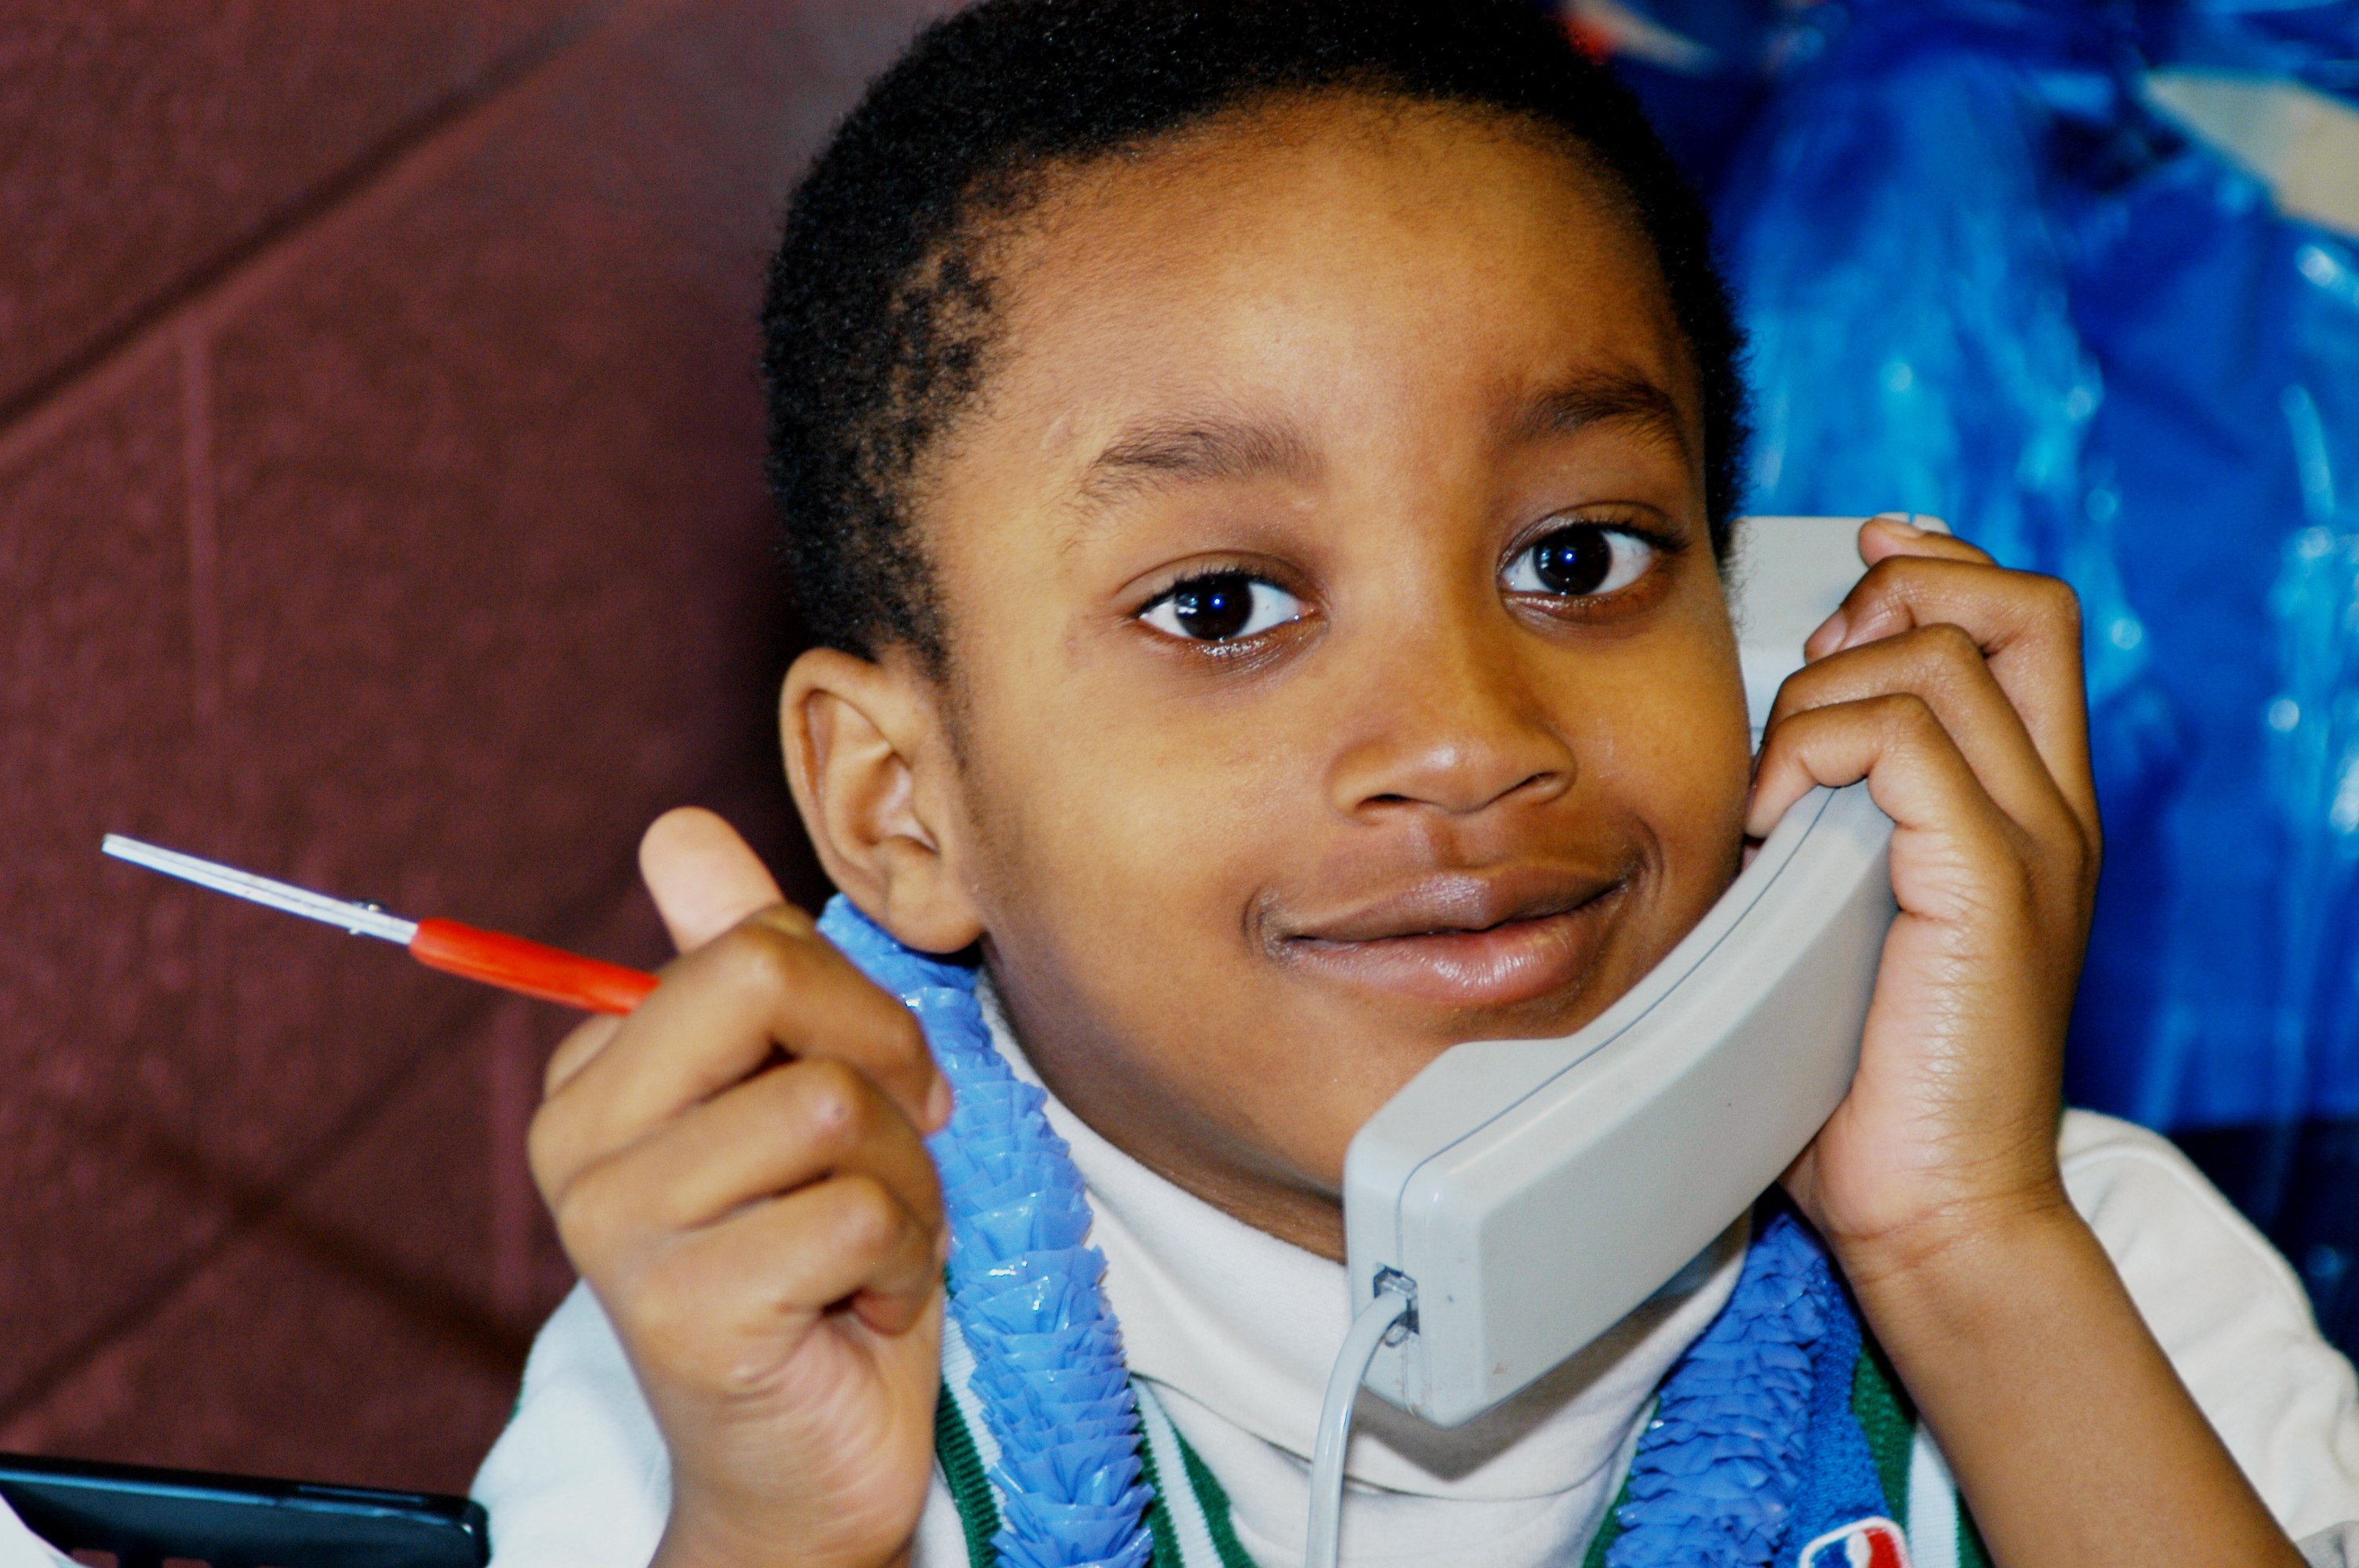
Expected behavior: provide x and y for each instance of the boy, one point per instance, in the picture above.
(1258, 475)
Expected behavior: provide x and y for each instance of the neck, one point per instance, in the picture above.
(1206, 1161)
(1160, 1128)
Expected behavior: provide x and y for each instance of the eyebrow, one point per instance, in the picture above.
(1195, 449)
(1147, 457)
(1603, 398)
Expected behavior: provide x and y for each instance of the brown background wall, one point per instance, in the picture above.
(379, 509)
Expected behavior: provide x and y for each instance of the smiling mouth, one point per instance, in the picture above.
(1459, 943)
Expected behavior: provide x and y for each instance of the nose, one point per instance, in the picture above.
(1450, 723)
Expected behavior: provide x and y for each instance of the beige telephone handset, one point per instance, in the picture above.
(1518, 1197)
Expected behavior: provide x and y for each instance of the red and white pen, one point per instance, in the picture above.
(512, 963)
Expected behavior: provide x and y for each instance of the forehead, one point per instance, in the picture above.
(1378, 260)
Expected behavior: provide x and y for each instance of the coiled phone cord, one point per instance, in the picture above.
(1394, 1309)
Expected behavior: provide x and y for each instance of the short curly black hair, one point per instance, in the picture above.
(877, 316)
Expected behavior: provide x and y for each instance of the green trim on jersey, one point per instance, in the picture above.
(1188, 1498)
(1885, 1417)
(1609, 1529)
(1216, 1504)
(962, 1471)
(1972, 1553)
(1889, 1417)
(1158, 1512)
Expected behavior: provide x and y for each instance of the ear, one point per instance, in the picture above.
(869, 760)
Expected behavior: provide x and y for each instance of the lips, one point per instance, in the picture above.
(1464, 939)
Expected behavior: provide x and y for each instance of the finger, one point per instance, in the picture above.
(1881, 538)
(1941, 666)
(1887, 532)
(704, 878)
(573, 1052)
(780, 1131)
(1914, 772)
(721, 1015)
(843, 1240)
(2027, 627)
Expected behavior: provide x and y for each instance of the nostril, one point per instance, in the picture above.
(1451, 769)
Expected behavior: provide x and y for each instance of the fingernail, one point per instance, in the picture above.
(1901, 523)
(938, 1105)
(1829, 636)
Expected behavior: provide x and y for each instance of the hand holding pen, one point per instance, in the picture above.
(738, 1170)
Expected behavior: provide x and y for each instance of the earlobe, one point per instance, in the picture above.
(871, 771)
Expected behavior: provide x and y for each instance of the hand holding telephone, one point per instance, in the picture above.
(1518, 1197)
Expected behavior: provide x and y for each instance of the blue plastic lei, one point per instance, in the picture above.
(1752, 1447)
(1049, 1371)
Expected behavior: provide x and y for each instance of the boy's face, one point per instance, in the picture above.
(1338, 666)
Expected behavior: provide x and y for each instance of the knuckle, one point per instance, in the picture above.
(2059, 600)
(1947, 642)
(1895, 578)
(1881, 575)
(1905, 713)
(867, 1220)
(2084, 854)
(832, 1102)
(756, 957)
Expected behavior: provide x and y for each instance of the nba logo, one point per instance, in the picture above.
(1863, 1543)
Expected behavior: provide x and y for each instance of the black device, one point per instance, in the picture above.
(144, 1517)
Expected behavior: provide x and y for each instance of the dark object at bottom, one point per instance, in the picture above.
(144, 1517)
(2300, 1182)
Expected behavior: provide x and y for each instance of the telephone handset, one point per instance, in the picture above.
(1524, 1196)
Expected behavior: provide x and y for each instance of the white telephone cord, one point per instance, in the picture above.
(1394, 1308)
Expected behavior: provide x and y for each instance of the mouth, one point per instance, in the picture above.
(1464, 940)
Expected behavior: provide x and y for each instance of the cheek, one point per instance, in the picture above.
(1116, 824)
(1680, 754)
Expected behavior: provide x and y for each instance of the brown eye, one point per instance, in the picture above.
(1580, 562)
(1221, 607)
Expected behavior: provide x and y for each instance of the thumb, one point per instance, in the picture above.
(704, 878)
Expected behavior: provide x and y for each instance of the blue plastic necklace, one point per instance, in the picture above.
(1752, 1442)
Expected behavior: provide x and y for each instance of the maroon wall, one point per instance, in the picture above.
(380, 509)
